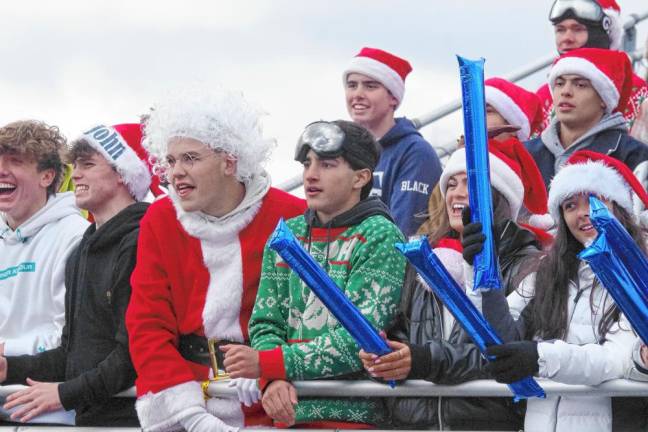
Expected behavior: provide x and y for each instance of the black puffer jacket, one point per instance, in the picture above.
(93, 362)
(453, 359)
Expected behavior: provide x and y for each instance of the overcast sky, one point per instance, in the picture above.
(77, 63)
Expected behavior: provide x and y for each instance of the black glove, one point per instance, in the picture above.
(472, 239)
(513, 361)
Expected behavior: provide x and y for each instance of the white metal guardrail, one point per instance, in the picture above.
(420, 388)
(413, 388)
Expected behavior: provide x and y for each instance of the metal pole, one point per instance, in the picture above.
(420, 388)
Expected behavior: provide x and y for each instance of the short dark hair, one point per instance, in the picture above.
(39, 141)
(361, 150)
(80, 149)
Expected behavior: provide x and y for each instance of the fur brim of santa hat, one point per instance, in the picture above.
(509, 110)
(116, 150)
(603, 85)
(588, 178)
(502, 178)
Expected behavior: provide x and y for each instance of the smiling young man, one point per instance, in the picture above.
(351, 235)
(408, 169)
(590, 89)
(38, 230)
(590, 24)
(92, 364)
(199, 260)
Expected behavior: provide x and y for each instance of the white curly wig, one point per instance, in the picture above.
(222, 119)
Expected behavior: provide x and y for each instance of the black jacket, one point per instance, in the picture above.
(453, 359)
(92, 362)
(615, 143)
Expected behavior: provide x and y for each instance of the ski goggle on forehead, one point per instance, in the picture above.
(324, 138)
(584, 9)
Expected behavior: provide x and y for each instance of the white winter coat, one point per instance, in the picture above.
(580, 359)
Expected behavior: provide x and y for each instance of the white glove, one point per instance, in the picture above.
(205, 422)
(247, 389)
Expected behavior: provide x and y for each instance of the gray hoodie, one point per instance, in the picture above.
(551, 137)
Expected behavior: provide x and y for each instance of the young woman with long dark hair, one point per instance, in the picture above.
(569, 330)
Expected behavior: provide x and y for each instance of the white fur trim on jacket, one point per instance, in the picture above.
(162, 411)
(378, 71)
(590, 177)
(509, 110)
(603, 85)
(222, 256)
(502, 178)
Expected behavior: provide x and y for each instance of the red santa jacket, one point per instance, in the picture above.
(173, 295)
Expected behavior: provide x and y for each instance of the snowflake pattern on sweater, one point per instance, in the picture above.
(290, 320)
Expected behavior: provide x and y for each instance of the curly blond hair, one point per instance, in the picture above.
(39, 142)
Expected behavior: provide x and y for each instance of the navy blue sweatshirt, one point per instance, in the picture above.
(406, 173)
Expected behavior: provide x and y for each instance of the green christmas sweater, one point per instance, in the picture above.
(296, 336)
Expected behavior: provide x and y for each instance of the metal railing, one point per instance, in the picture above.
(629, 45)
(413, 388)
(419, 388)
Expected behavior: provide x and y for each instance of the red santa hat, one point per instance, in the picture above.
(518, 106)
(384, 67)
(121, 146)
(595, 173)
(513, 173)
(610, 73)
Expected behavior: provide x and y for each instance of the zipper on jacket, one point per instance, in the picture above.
(556, 416)
(440, 316)
(579, 293)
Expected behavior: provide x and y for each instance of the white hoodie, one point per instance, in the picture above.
(32, 275)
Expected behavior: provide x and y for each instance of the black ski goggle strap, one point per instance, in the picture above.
(584, 9)
(324, 138)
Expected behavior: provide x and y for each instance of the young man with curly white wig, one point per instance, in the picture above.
(199, 260)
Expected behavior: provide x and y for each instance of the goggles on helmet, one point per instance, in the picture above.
(324, 138)
(584, 9)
